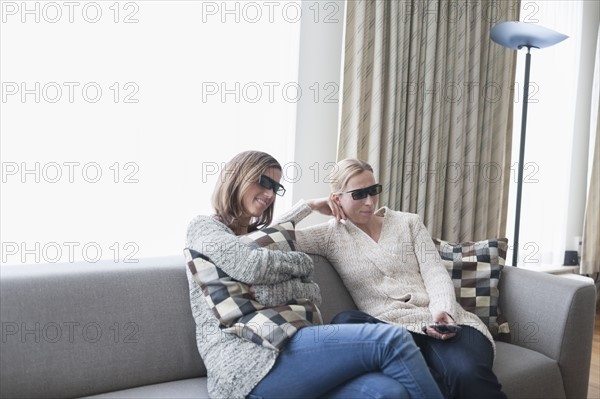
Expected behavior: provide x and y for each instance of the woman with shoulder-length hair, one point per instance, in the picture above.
(359, 360)
(389, 264)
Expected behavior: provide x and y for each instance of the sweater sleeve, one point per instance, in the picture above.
(317, 239)
(239, 260)
(438, 284)
(285, 291)
(296, 214)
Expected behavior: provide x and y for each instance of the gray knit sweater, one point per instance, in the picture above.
(399, 279)
(234, 365)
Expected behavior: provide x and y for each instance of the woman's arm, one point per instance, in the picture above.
(437, 282)
(296, 214)
(285, 291)
(240, 261)
(314, 239)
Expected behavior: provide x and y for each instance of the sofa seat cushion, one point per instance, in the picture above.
(189, 388)
(524, 373)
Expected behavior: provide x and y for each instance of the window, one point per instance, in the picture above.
(116, 118)
(554, 183)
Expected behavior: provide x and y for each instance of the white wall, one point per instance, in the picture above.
(317, 123)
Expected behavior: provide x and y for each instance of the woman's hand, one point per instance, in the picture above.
(440, 318)
(252, 291)
(327, 206)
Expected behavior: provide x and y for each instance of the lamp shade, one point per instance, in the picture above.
(516, 35)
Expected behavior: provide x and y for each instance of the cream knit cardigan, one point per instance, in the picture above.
(399, 279)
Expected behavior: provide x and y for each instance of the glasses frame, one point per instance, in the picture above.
(362, 193)
(270, 184)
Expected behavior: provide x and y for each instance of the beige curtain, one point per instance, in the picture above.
(427, 100)
(590, 250)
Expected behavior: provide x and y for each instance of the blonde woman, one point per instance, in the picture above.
(366, 361)
(390, 266)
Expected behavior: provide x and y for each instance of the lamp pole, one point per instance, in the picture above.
(521, 157)
(516, 35)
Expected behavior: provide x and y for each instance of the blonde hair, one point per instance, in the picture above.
(345, 170)
(235, 179)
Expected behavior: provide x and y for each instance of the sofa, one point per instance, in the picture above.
(125, 330)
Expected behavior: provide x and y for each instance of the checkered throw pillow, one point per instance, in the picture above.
(280, 236)
(233, 305)
(475, 269)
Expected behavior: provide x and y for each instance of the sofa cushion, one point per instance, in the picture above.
(191, 388)
(475, 269)
(335, 296)
(527, 374)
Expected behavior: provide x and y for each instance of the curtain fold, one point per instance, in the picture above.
(590, 251)
(427, 101)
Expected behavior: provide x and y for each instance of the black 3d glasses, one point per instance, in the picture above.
(362, 193)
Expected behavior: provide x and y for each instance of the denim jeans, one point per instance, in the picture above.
(349, 361)
(462, 365)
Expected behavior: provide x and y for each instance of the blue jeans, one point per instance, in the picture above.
(462, 366)
(349, 361)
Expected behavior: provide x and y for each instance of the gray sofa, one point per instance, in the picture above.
(126, 331)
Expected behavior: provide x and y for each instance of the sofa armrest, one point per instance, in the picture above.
(554, 316)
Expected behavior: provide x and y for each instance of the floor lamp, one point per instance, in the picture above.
(517, 35)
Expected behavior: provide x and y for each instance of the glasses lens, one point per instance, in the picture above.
(360, 194)
(265, 182)
(271, 184)
(375, 190)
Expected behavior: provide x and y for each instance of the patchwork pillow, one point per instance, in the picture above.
(280, 237)
(475, 269)
(233, 304)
